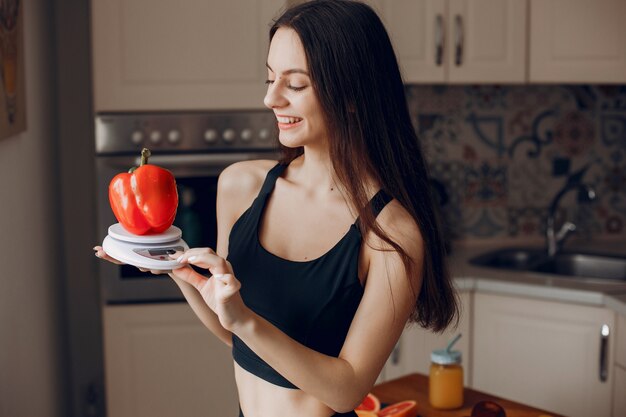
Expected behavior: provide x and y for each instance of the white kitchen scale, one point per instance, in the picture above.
(145, 251)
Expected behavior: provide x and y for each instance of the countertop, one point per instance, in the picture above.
(415, 387)
(604, 293)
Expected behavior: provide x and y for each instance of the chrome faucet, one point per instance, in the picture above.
(555, 240)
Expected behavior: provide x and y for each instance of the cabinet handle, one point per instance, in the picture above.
(395, 354)
(439, 40)
(458, 23)
(604, 346)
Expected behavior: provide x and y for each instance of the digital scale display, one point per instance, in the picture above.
(159, 254)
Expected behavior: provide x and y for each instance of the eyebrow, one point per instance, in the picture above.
(290, 71)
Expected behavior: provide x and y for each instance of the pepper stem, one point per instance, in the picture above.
(145, 154)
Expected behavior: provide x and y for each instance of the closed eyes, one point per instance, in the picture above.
(291, 87)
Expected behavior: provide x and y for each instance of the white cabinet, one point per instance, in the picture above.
(412, 353)
(619, 399)
(161, 361)
(457, 41)
(620, 335)
(578, 41)
(507, 41)
(543, 353)
(189, 54)
(151, 55)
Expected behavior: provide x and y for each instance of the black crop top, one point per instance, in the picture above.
(313, 302)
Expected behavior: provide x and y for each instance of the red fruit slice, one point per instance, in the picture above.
(369, 403)
(401, 409)
(363, 413)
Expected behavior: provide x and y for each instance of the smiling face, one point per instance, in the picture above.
(290, 93)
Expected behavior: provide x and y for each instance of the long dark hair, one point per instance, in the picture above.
(355, 75)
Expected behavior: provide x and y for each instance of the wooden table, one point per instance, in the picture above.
(415, 387)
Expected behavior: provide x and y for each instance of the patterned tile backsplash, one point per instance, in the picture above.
(503, 153)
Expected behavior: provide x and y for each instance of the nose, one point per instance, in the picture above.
(274, 97)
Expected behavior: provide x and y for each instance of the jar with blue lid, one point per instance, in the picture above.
(445, 381)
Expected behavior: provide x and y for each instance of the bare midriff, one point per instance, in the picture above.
(259, 398)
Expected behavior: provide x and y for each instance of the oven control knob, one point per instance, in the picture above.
(246, 135)
(137, 137)
(173, 136)
(155, 136)
(264, 134)
(229, 135)
(210, 135)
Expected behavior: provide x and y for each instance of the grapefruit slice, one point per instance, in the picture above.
(401, 409)
(369, 403)
(363, 413)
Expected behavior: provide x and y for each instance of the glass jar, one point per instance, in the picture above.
(445, 381)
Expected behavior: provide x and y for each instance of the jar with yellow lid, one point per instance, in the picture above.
(445, 382)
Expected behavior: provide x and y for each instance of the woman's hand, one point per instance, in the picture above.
(221, 291)
(100, 253)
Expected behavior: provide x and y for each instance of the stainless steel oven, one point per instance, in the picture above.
(195, 147)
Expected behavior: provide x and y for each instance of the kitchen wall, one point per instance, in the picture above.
(32, 367)
(76, 166)
(503, 152)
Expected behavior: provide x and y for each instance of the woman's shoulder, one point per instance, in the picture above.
(245, 177)
(237, 187)
(400, 226)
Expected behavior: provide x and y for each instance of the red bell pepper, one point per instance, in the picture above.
(144, 200)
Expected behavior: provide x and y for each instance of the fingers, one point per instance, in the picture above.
(226, 285)
(206, 258)
(154, 271)
(177, 254)
(187, 274)
(100, 253)
(229, 282)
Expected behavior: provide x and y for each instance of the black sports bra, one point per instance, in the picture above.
(313, 301)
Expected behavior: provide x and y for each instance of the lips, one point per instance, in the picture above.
(287, 122)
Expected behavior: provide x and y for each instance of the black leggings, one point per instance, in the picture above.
(348, 414)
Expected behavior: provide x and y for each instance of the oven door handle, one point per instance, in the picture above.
(213, 159)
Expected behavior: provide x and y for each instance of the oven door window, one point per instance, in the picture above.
(195, 217)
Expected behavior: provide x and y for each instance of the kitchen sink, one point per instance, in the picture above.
(511, 258)
(585, 265)
(566, 263)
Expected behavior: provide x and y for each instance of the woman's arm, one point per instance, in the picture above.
(225, 221)
(341, 383)
(204, 313)
(199, 307)
(237, 186)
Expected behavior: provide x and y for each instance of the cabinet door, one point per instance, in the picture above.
(619, 399)
(578, 41)
(412, 353)
(620, 349)
(161, 361)
(416, 27)
(189, 54)
(543, 353)
(487, 41)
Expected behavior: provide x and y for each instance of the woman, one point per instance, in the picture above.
(323, 257)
